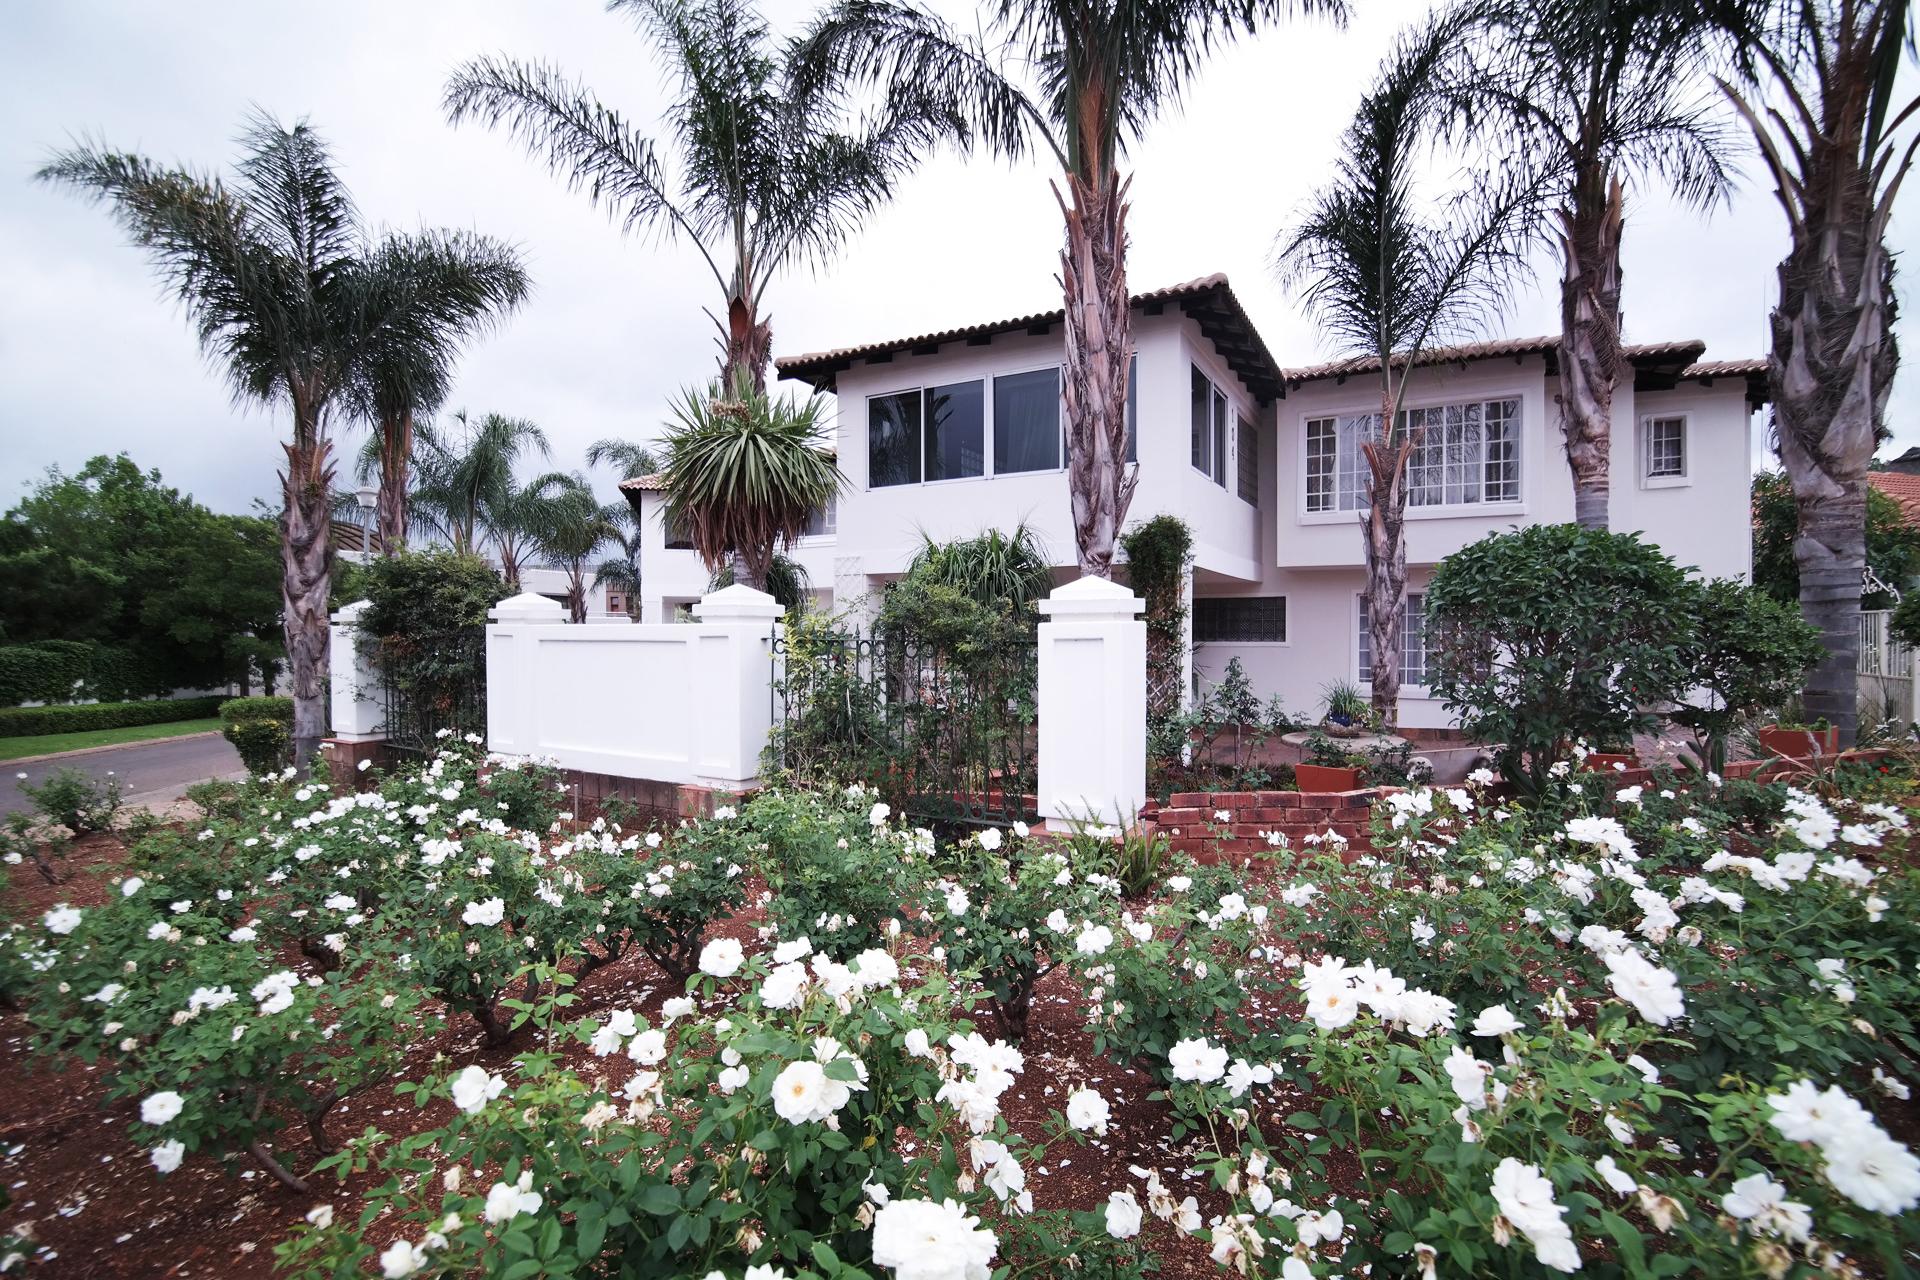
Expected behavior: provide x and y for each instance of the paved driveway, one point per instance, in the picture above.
(149, 772)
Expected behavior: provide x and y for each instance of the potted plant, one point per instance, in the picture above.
(1328, 766)
(1798, 741)
(1348, 713)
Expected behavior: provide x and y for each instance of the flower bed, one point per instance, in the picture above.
(1626, 1027)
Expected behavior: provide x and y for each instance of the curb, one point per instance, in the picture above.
(112, 746)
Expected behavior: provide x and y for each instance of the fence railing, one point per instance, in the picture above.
(1881, 654)
(945, 733)
(449, 693)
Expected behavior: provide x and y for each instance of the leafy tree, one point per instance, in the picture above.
(160, 591)
(1893, 544)
(517, 515)
(1748, 654)
(288, 297)
(1388, 275)
(773, 172)
(1554, 633)
(1827, 123)
(1105, 70)
(744, 475)
(437, 290)
(1603, 96)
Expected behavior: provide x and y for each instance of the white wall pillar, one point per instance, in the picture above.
(512, 684)
(1093, 704)
(358, 703)
(733, 668)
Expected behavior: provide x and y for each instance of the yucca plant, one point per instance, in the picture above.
(745, 473)
(1006, 570)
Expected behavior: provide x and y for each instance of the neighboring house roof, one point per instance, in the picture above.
(348, 536)
(645, 484)
(1657, 366)
(1208, 300)
(1902, 488)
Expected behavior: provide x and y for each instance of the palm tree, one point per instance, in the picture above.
(631, 460)
(462, 471)
(744, 475)
(433, 291)
(771, 173)
(272, 270)
(787, 582)
(1603, 94)
(1831, 148)
(1389, 276)
(514, 517)
(1105, 68)
(622, 572)
(570, 526)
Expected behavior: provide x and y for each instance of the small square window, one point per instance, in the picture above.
(1666, 449)
(1240, 619)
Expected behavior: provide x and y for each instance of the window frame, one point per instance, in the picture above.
(1224, 409)
(1246, 445)
(1336, 411)
(1645, 449)
(1407, 687)
(989, 432)
(1286, 623)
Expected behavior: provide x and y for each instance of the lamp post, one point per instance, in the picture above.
(366, 495)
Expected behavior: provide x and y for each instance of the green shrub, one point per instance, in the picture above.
(1748, 655)
(1555, 633)
(265, 746)
(46, 671)
(75, 801)
(18, 722)
(238, 710)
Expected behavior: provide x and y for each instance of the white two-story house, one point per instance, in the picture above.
(946, 434)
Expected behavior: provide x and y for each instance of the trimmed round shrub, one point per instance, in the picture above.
(261, 730)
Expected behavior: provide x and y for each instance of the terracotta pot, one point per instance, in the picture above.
(1798, 744)
(1320, 777)
(1603, 761)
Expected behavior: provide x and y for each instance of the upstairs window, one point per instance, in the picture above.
(1211, 415)
(935, 433)
(1246, 464)
(825, 521)
(1240, 619)
(678, 539)
(1026, 422)
(1468, 454)
(1413, 642)
(1665, 448)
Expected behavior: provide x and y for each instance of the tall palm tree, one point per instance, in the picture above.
(1105, 69)
(1389, 275)
(570, 526)
(1829, 140)
(271, 267)
(514, 517)
(1604, 95)
(434, 290)
(745, 473)
(622, 572)
(463, 470)
(771, 173)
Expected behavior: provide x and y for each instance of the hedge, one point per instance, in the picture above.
(47, 671)
(17, 722)
(240, 710)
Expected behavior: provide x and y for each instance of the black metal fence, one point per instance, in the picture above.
(946, 733)
(444, 690)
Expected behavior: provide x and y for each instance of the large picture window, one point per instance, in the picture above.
(1468, 454)
(1026, 422)
(1240, 619)
(893, 439)
(936, 433)
(1413, 642)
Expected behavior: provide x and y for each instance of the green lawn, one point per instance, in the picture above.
(41, 744)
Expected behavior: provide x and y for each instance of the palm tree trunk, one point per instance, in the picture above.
(396, 455)
(1831, 370)
(1385, 529)
(744, 575)
(576, 592)
(749, 347)
(1093, 276)
(1590, 360)
(306, 581)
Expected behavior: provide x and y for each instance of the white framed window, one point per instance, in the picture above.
(1026, 421)
(1212, 418)
(1240, 620)
(1663, 450)
(825, 521)
(932, 433)
(1413, 642)
(1468, 455)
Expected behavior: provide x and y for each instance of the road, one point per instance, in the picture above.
(149, 772)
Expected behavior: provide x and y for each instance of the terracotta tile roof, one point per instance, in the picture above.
(645, 484)
(1657, 365)
(1902, 488)
(1209, 300)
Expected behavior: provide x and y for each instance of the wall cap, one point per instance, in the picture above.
(1092, 599)
(528, 606)
(349, 615)
(737, 603)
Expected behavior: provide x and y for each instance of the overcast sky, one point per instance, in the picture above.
(93, 360)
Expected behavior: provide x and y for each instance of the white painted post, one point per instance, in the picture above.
(1093, 704)
(512, 670)
(359, 710)
(733, 672)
